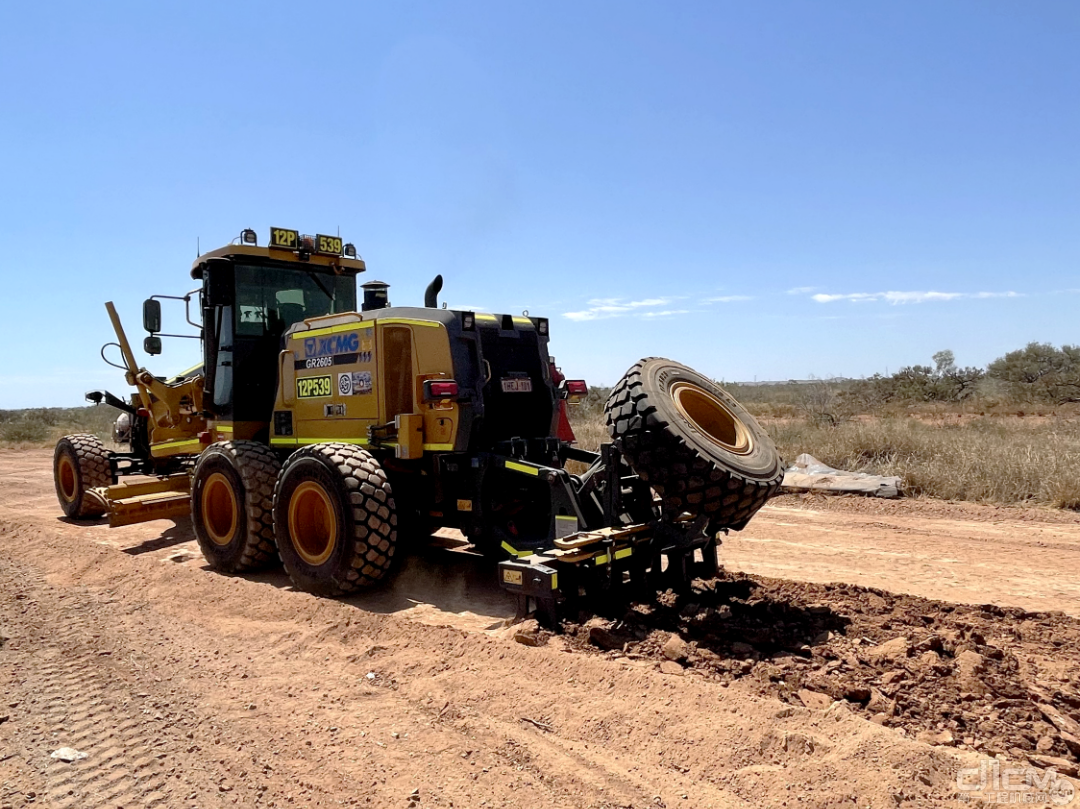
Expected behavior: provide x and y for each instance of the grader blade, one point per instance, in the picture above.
(141, 501)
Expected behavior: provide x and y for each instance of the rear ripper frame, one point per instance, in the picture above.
(619, 547)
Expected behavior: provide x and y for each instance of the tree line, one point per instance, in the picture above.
(1039, 372)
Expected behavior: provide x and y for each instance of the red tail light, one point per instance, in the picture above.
(575, 390)
(440, 389)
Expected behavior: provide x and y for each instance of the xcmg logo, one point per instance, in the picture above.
(332, 344)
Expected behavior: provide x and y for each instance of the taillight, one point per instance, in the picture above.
(576, 390)
(440, 389)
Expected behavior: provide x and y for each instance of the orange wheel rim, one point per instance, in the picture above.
(68, 479)
(712, 418)
(220, 509)
(313, 524)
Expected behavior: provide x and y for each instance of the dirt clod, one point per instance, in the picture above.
(813, 699)
(888, 652)
(676, 648)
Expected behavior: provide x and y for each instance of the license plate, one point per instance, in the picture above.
(514, 385)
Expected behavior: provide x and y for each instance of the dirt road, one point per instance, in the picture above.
(188, 688)
(963, 552)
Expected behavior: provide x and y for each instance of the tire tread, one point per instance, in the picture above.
(371, 501)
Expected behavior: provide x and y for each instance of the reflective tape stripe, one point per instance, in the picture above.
(524, 469)
(510, 549)
(307, 441)
(602, 560)
(624, 553)
(296, 335)
(522, 321)
(409, 321)
(363, 442)
(486, 317)
(183, 443)
(554, 581)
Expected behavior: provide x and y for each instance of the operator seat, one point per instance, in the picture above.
(291, 313)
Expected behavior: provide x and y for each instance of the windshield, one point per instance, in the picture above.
(269, 300)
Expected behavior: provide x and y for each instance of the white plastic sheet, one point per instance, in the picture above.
(808, 474)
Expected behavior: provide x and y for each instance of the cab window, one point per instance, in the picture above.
(269, 300)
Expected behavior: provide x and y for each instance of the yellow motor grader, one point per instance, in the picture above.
(327, 434)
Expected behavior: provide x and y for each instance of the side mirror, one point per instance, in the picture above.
(218, 280)
(152, 345)
(151, 315)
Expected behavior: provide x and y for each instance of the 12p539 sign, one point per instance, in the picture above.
(312, 387)
(286, 239)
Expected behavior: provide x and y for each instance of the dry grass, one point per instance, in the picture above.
(44, 425)
(999, 456)
(1007, 461)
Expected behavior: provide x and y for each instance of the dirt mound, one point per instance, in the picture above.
(985, 678)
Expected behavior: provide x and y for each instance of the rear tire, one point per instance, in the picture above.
(698, 448)
(232, 498)
(335, 518)
(80, 463)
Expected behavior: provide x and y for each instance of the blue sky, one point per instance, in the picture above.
(760, 190)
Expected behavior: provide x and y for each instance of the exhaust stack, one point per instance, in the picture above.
(431, 294)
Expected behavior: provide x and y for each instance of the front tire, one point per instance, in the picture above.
(80, 463)
(689, 439)
(335, 519)
(232, 498)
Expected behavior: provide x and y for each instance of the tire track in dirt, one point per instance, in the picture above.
(82, 705)
(119, 769)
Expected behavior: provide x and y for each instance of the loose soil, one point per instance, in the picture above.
(843, 660)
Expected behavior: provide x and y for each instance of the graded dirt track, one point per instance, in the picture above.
(188, 688)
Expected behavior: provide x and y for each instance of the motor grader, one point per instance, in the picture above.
(330, 435)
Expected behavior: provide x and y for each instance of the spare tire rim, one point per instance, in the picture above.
(220, 509)
(69, 481)
(313, 524)
(712, 418)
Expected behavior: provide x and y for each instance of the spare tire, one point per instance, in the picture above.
(698, 448)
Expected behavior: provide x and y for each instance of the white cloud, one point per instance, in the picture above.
(908, 297)
(603, 308)
(665, 313)
(801, 290)
(729, 299)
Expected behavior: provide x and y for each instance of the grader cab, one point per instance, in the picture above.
(327, 435)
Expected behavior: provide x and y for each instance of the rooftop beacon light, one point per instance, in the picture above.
(247, 236)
